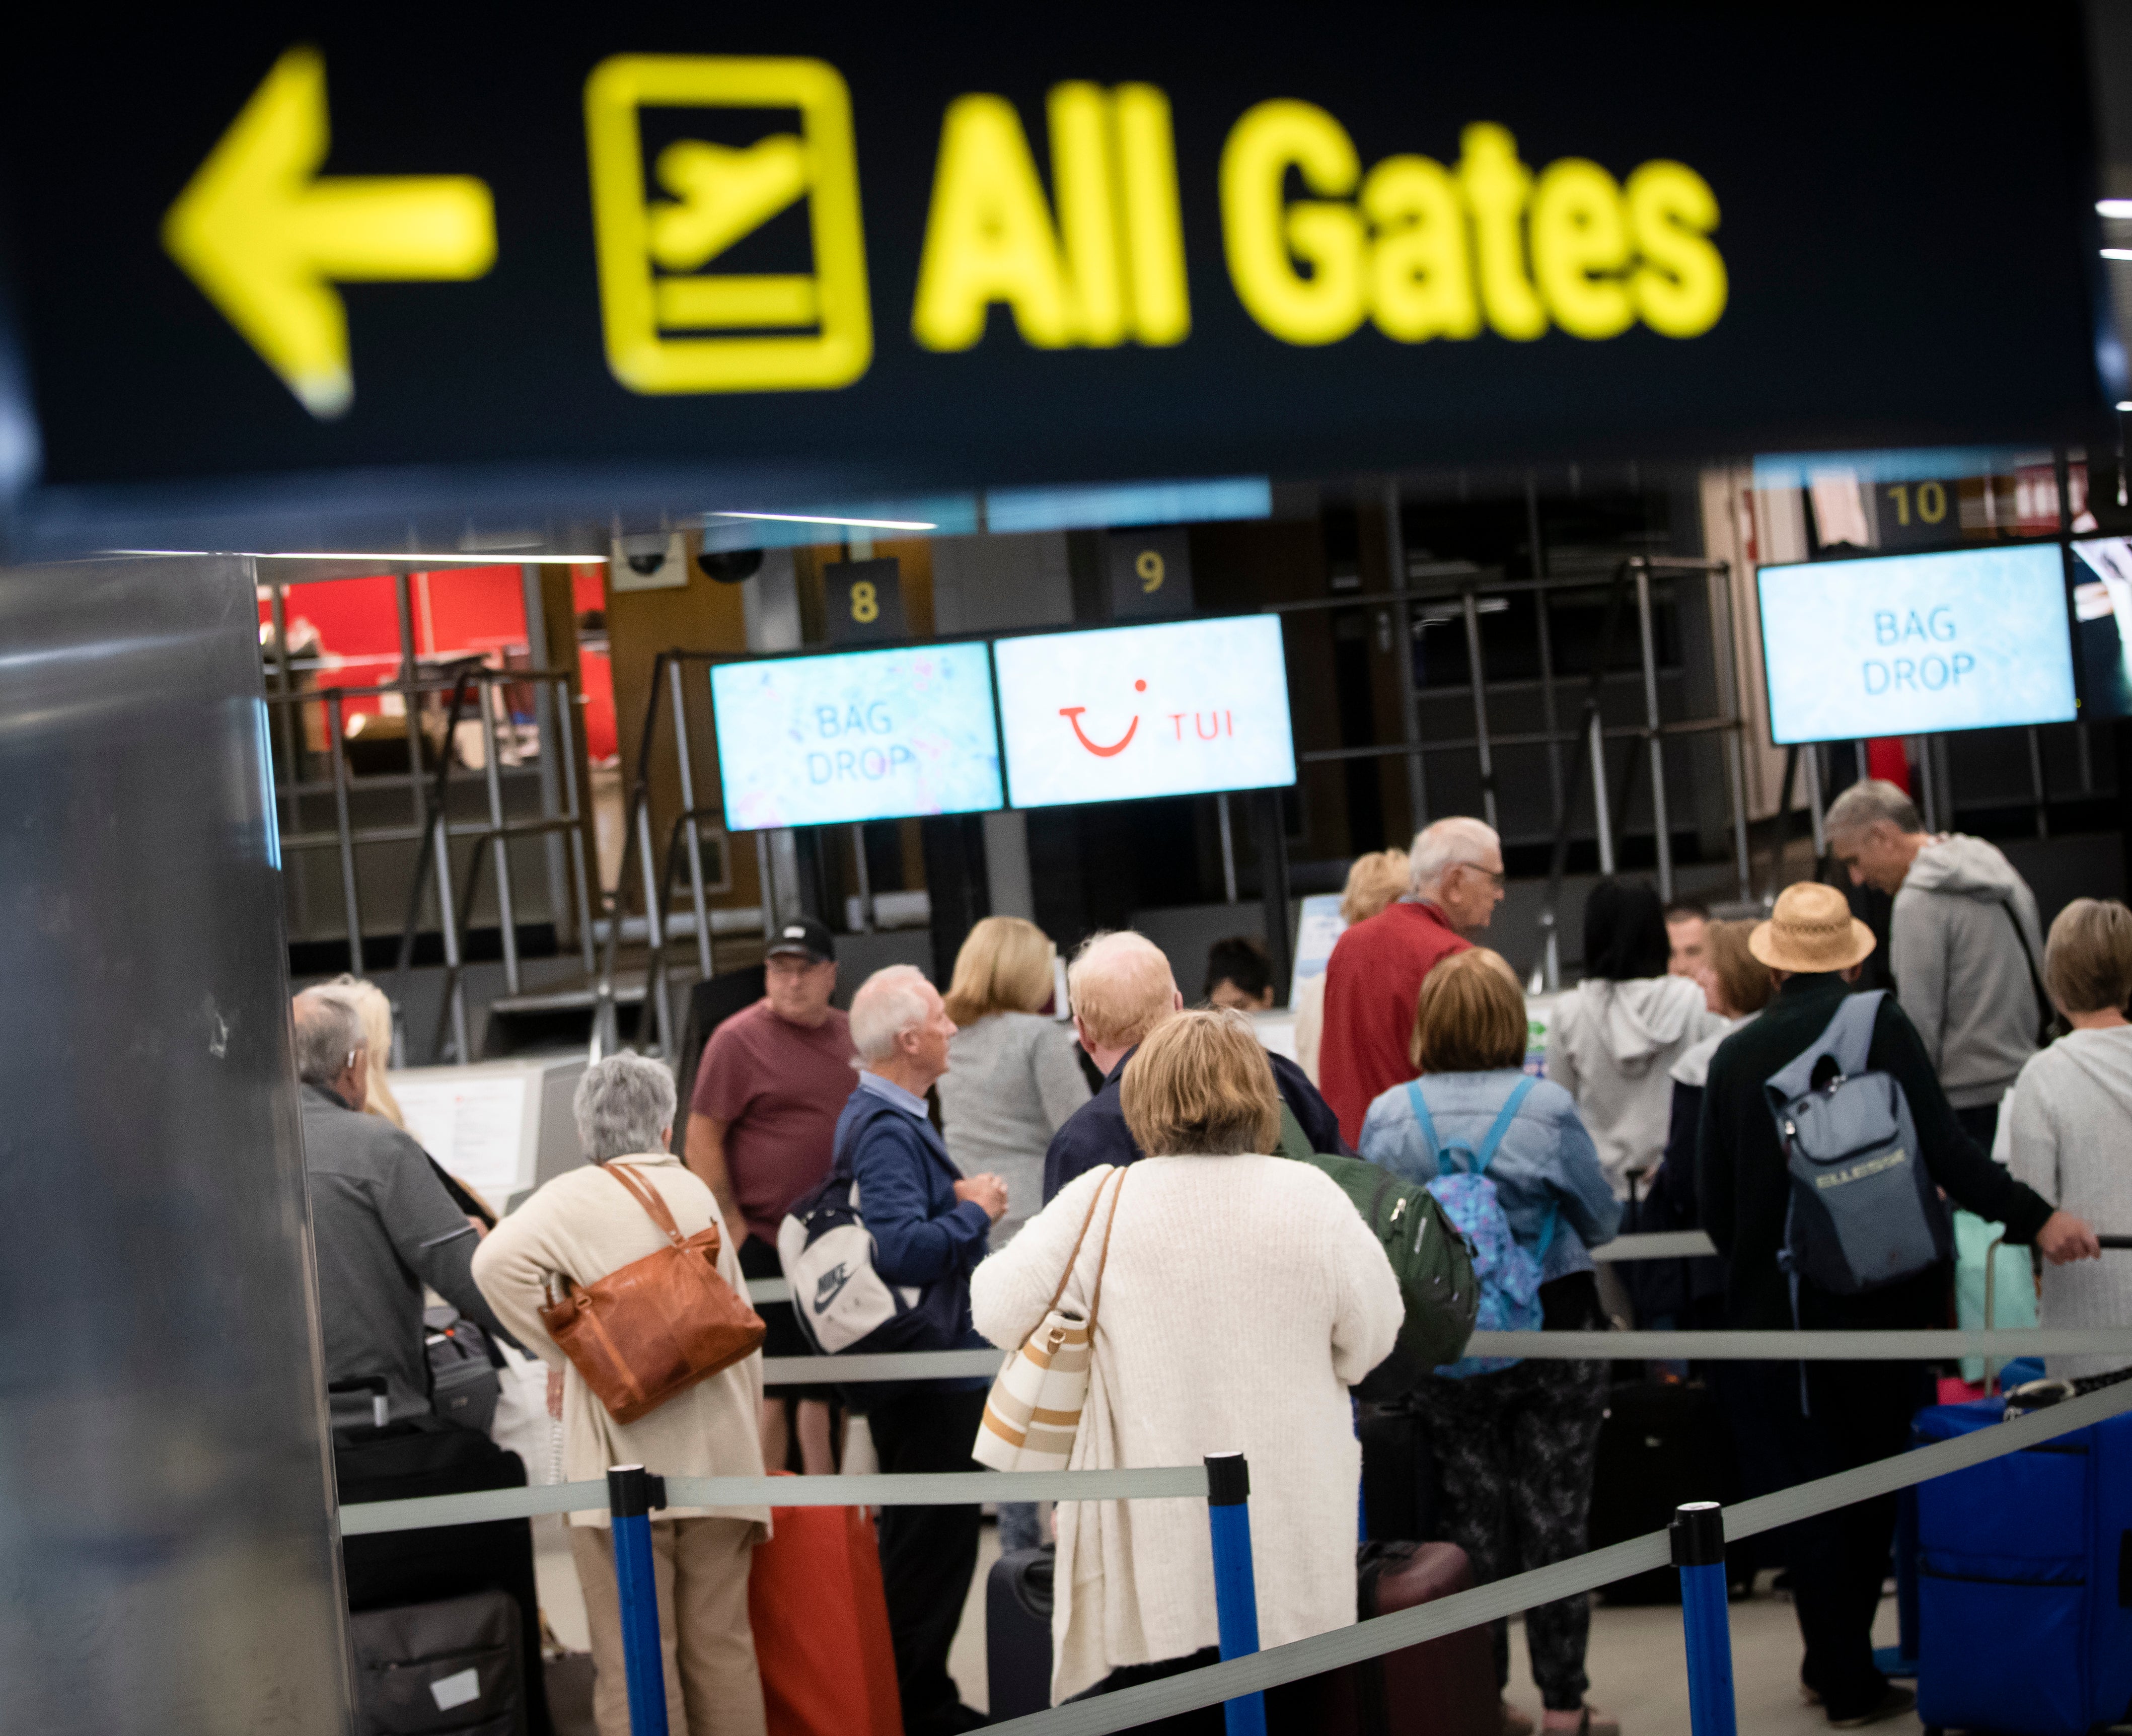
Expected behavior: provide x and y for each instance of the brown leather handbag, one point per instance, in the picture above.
(658, 1325)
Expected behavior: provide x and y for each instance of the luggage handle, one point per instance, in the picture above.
(1991, 1292)
(381, 1409)
(1991, 1305)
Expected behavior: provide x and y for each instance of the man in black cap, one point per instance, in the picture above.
(761, 1122)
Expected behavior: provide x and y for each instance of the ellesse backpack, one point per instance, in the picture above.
(1865, 1211)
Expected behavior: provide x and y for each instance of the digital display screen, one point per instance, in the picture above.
(863, 735)
(1170, 709)
(2102, 624)
(1914, 644)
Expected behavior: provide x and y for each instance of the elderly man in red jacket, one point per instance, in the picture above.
(1374, 977)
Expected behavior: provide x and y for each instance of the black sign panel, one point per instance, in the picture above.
(733, 258)
(863, 601)
(1150, 574)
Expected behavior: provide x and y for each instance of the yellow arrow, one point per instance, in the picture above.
(266, 238)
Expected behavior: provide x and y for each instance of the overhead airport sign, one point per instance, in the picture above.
(822, 252)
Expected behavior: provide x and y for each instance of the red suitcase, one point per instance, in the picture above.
(821, 1626)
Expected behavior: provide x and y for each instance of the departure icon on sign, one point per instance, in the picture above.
(670, 206)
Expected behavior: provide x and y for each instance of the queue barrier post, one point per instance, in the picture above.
(632, 1494)
(1699, 1551)
(1236, 1592)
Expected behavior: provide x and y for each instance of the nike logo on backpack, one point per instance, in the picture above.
(828, 1285)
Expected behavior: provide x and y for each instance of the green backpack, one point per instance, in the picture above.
(1429, 1257)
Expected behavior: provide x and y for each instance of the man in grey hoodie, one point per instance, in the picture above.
(1964, 946)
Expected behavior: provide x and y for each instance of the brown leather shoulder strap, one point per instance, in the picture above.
(647, 1196)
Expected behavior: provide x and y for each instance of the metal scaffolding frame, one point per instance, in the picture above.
(1462, 585)
(429, 828)
(667, 691)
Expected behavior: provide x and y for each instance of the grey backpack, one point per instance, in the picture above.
(1865, 1211)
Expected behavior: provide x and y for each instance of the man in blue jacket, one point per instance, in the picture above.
(930, 1225)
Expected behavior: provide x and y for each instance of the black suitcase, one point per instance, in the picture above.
(450, 1668)
(1018, 1632)
(1399, 1474)
(1663, 1442)
(423, 1456)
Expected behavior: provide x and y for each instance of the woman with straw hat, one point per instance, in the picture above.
(1804, 1421)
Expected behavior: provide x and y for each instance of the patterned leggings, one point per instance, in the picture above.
(1514, 1453)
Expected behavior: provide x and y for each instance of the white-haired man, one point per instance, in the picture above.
(1121, 988)
(930, 1225)
(381, 1223)
(1374, 978)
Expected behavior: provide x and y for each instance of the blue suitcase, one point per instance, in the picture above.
(2024, 1581)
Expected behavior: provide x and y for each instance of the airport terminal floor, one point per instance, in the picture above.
(865, 878)
(1638, 1673)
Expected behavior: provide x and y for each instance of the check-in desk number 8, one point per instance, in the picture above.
(701, 288)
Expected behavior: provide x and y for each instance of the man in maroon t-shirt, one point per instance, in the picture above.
(762, 1119)
(1373, 979)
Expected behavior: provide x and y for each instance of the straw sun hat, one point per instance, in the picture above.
(1812, 929)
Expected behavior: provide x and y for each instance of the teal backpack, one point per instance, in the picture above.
(1509, 1276)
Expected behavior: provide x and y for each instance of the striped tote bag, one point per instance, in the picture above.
(1034, 1409)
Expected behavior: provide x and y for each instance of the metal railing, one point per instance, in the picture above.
(1694, 1543)
(429, 826)
(667, 691)
(1467, 587)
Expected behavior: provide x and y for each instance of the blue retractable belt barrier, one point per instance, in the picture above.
(1235, 1593)
(631, 1494)
(1699, 1551)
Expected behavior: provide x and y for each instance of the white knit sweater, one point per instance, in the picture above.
(1242, 1297)
(2071, 1122)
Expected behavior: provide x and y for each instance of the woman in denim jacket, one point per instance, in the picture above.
(1514, 1446)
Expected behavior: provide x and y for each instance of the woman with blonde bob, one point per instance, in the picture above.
(2070, 1130)
(1242, 1295)
(1013, 1077)
(1514, 1447)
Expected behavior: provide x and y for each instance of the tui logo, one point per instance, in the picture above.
(1206, 726)
(1072, 714)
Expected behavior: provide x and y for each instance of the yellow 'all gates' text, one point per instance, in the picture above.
(1419, 249)
(1424, 251)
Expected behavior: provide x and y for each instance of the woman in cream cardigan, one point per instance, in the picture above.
(1242, 1295)
(581, 1226)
